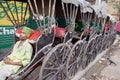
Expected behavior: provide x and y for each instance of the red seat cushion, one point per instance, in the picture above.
(60, 32)
(33, 36)
(107, 27)
(88, 30)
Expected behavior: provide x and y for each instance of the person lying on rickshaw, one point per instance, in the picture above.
(19, 57)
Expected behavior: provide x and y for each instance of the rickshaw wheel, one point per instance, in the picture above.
(74, 59)
(88, 56)
(53, 67)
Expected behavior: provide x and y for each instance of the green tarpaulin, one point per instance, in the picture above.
(61, 22)
(79, 26)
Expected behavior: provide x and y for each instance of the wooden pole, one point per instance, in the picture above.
(43, 11)
(36, 7)
(67, 11)
(32, 11)
(89, 14)
(49, 14)
(70, 10)
(76, 13)
(80, 13)
(39, 22)
(83, 15)
(53, 11)
(73, 14)
(49, 8)
(63, 10)
(31, 7)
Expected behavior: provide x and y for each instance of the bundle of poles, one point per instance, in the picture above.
(41, 16)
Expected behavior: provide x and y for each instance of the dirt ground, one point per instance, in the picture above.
(103, 70)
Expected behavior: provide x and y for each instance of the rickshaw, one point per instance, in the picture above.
(39, 46)
(54, 63)
(83, 53)
(46, 40)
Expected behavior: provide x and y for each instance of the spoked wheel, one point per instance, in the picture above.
(54, 63)
(107, 41)
(104, 42)
(83, 63)
(87, 58)
(99, 48)
(112, 37)
(94, 48)
(97, 44)
(74, 59)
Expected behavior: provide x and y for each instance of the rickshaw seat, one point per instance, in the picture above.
(62, 36)
(60, 32)
(45, 40)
